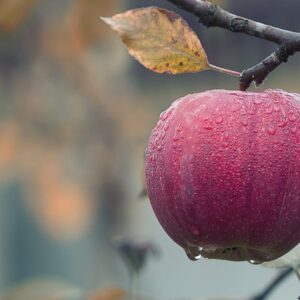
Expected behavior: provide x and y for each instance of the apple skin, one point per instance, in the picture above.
(223, 174)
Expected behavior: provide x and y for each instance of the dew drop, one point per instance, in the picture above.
(153, 158)
(292, 118)
(294, 130)
(268, 110)
(235, 107)
(283, 123)
(271, 130)
(166, 127)
(254, 262)
(243, 111)
(257, 101)
(163, 134)
(226, 135)
(225, 144)
(207, 127)
(193, 252)
(164, 116)
(244, 122)
(219, 120)
(178, 129)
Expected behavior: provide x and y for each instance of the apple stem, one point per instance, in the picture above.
(223, 70)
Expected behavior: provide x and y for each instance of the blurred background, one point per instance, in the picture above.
(75, 115)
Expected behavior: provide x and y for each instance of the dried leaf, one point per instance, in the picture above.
(160, 40)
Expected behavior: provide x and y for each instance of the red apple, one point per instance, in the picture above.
(223, 174)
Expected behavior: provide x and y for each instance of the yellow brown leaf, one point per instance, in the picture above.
(160, 40)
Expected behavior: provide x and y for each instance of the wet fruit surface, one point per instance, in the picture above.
(223, 174)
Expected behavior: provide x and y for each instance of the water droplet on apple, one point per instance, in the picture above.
(207, 127)
(163, 116)
(244, 122)
(292, 118)
(271, 130)
(257, 101)
(153, 158)
(235, 107)
(294, 130)
(268, 110)
(243, 111)
(283, 123)
(219, 120)
(225, 144)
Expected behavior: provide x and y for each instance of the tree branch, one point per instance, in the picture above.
(212, 15)
(259, 72)
(280, 277)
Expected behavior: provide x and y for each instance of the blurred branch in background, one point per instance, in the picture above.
(67, 140)
(267, 291)
(70, 126)
(13, 12)
(135, 255)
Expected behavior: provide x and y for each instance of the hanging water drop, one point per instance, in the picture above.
(254, 262)
(193, 252)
